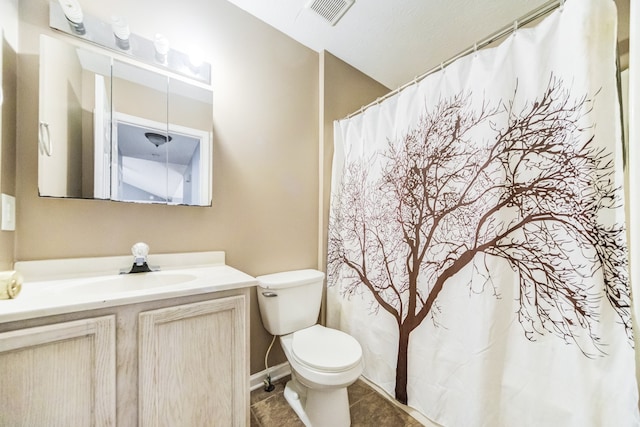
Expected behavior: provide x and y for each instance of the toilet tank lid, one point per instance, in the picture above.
(288, 279)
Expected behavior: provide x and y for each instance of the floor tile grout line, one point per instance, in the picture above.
(370, 391)
(254, 417)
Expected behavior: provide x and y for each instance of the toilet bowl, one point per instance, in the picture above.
(324, 361)
(323, 357)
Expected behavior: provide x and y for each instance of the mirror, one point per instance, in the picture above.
(112, 129)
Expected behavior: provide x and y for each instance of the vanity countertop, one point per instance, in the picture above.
(64, 286)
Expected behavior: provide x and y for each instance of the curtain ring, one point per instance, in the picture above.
(515, 26)
(442, 66)
(561, 5)
(475, 49)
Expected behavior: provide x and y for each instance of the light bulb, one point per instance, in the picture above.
(196, 58)
(161, 44)
(121, 32)
(73, 13)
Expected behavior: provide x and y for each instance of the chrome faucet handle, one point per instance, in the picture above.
(140, 252)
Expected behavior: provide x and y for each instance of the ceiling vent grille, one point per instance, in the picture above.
(330, 10)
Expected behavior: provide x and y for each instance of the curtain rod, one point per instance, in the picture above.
(503, 32)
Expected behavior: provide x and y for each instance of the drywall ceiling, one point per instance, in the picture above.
(393, 41)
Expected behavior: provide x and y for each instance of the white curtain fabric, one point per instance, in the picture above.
(476, 240)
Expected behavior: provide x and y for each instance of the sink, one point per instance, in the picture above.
(61, 286)
(135, 282)
(122, 283)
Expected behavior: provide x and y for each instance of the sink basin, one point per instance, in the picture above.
(118, 284)
(135, 282)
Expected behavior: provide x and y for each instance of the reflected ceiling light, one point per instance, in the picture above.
(121, 32)
(196, 58)
(157, 139)
(161, 44)
(73, 13)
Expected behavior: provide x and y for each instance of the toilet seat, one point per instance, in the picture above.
(325, 349)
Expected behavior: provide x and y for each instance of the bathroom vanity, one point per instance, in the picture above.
(150, 349)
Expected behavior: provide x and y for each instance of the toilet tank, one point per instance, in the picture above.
(290, 301)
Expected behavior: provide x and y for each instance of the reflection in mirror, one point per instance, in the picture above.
(139, 166)
(191, 120)
(154, 166)
(123, 132)
(162, 147)
(73, 82)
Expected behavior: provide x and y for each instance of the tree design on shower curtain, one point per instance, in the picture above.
(471, 184)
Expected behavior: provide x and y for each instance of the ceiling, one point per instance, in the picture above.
(394, 41)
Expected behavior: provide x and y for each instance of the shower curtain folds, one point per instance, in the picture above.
(477, 245)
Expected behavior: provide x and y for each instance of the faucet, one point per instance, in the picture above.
(140, 252)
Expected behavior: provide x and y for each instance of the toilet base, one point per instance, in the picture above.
(296, 397)
(318, 407)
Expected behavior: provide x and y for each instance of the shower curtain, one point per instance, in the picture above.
(476, 235)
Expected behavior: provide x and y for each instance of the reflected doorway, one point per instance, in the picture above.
(151, 165)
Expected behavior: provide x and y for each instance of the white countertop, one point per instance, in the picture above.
(50, 288)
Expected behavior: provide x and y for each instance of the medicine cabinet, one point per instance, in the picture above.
(114, 129)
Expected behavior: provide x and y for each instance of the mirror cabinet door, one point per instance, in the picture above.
(72, 82)
(191, 127)
(140, 139)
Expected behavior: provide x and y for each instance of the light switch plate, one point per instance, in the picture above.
(8, 212)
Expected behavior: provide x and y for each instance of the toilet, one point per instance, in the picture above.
(323, 361)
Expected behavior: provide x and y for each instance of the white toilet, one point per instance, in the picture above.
(323, 361)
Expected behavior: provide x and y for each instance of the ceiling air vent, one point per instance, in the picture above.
(330, 10)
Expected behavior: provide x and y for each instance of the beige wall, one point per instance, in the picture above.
(273, 98)
(8, 145)
(8, 65)
(181, 110)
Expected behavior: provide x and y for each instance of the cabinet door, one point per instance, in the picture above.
(192, 365)
(59, 375)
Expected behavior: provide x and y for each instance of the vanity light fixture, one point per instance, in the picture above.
(121, 32)
(161, 43)
(157, 139)
(73, 13)
(66, 16)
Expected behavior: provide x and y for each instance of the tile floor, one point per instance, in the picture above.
(368, 409)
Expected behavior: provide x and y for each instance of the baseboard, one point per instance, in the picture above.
(277, 372)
